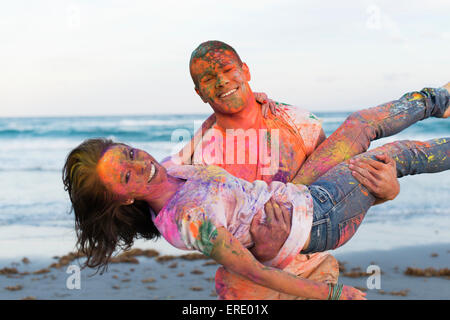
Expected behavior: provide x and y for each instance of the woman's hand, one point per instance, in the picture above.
(350, 293)
(265, 102)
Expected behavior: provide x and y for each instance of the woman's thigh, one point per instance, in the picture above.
(340, 205)
(360, 128)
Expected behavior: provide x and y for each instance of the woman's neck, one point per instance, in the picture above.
(168, 188)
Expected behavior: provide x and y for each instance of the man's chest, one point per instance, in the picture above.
(268, 154)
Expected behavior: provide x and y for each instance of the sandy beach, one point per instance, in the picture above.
(419, 272)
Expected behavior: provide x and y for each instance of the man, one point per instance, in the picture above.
(250, 146)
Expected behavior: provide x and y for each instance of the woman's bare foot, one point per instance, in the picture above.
(447, 112)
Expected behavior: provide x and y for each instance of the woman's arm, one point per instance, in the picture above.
(229, 252)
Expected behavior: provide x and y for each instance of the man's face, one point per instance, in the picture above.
(221, 81)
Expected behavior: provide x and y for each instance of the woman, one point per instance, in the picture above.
(112, 186)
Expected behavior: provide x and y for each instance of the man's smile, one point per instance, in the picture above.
(227, 93)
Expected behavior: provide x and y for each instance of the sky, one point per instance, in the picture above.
(64, 58)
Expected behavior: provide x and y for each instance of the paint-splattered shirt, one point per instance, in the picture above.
(212, 198)
(293, 133)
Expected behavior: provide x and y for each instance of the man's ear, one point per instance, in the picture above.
(246, 71)
(198, 92)
(127, 202)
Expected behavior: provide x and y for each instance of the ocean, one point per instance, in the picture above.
(35, 218)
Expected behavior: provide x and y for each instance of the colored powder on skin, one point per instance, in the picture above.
(208, 72)
(194, 228)
(207, 232)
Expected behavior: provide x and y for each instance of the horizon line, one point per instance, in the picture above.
(133, 114)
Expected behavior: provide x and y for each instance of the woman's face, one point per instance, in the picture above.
(130, 173)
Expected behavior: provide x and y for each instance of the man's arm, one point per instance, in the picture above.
(184, 156)
(380, 178)
(270, 236)
(322, 137)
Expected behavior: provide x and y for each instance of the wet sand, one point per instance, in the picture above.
(407, 273)
(421, 272)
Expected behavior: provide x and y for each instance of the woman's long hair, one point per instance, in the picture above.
(102, 223)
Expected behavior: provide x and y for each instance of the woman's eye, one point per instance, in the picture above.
(127, 177)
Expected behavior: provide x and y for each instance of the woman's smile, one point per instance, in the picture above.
(152, 172)
(129, 172)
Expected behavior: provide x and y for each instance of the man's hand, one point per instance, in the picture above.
(379, 177)
(270, 235)
(265, 102)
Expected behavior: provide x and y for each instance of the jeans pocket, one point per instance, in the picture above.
(348, 228)
(320, 193)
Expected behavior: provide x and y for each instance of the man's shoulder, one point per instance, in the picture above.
(296, 115)
(304, 122)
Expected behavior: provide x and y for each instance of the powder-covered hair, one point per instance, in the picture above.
(102, 223)
(208, 46)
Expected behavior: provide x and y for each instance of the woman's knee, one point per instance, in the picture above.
(356, 119)
(361, 130)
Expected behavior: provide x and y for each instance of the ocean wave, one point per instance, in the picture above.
(338, 120)
(88, 132)
(152, 128)
(151, 123)
(29, 169)
(93, 125)
(33, 152)
(48, 155)
(41, 144)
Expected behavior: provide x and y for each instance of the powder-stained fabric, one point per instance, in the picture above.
(212, 198)
(299, 135)
(298, 132)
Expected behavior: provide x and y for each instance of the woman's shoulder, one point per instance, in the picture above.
(201, 173)
(182, 171)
